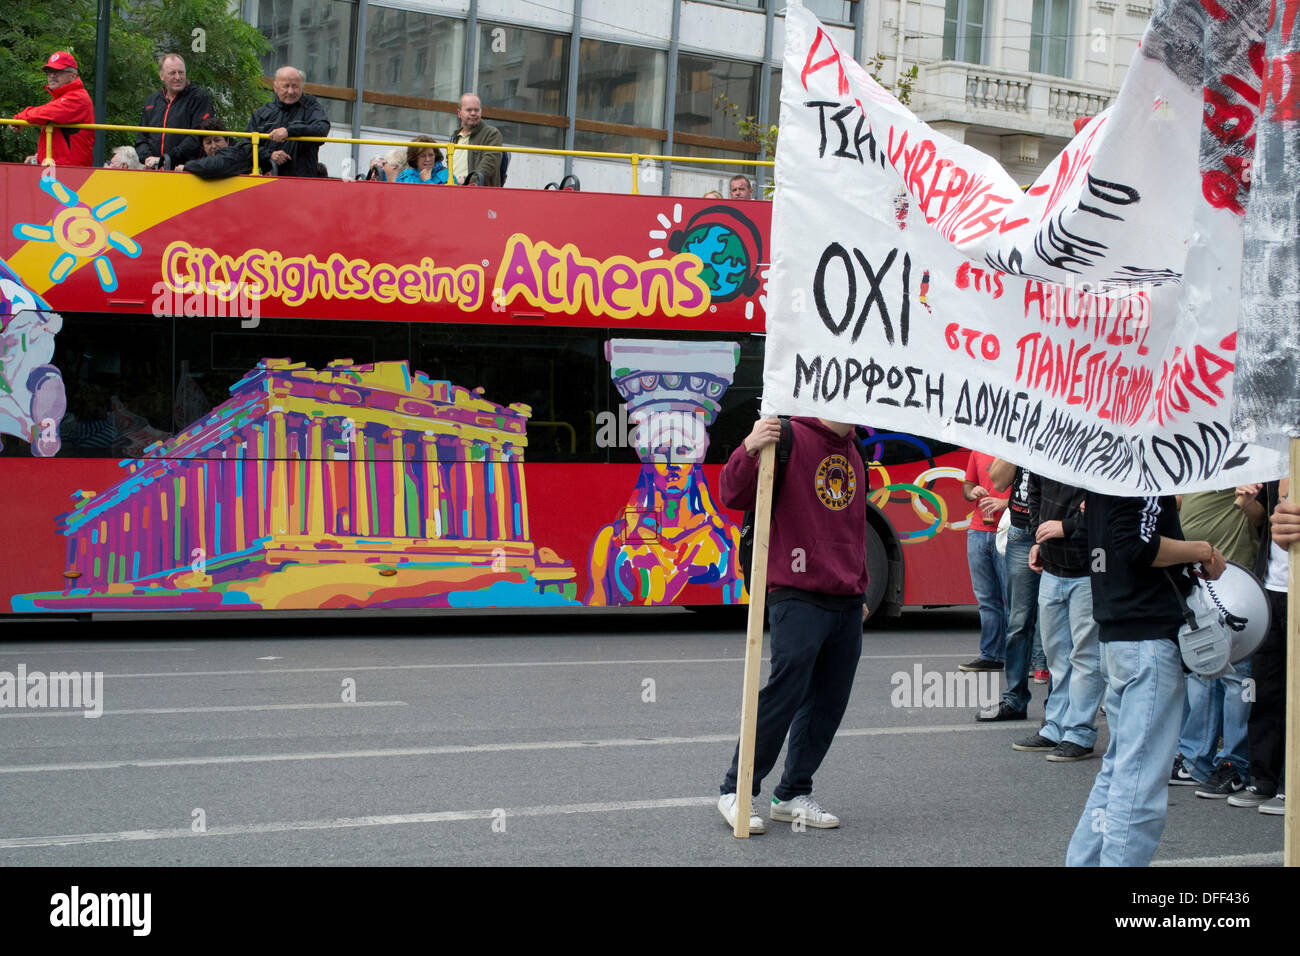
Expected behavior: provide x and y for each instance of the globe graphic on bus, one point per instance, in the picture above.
(726, 262)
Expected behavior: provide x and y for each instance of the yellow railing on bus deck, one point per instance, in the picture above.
(634, 158)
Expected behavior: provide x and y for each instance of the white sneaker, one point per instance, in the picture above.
(727, 807)
(804, 809)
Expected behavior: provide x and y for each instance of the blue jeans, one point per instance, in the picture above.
(988, 578)
(1125, 814)
(1073, 657)
(814, 657)
(1214, 707)
(1022, 622)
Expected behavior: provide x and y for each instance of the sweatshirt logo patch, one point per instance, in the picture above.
(836, 482)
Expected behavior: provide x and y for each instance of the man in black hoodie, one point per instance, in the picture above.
(1139, 565)
(178, 105)
(291, 113)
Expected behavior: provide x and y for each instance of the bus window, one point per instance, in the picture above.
(560, 373)
(116, 372)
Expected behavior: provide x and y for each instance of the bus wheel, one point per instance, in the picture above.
(877, 572)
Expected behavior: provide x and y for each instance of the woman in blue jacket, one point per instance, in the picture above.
(424, 164)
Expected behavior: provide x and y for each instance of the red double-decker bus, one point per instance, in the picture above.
(279, 394)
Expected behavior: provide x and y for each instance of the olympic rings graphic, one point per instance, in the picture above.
(917, 493)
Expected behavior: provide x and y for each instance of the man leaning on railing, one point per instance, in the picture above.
(290, 113)
(180, 104)
(69, 103)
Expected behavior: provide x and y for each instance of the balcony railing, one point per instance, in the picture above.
(1017, 102)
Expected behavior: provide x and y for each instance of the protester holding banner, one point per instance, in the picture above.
(1219, 708)
(1267, 727)
(1139, 565)
(817, 582)
(988, 569)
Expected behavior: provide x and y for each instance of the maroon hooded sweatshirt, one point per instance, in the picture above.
(818, 547)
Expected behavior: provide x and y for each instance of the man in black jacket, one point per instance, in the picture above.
(1139, 565)
(291, 113)
(1060, 554)
(178, 105)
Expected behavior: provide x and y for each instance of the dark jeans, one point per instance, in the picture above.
(1022, 587)
(1267, 727)
(814, 656)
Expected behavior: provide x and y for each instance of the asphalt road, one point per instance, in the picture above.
(534, 740)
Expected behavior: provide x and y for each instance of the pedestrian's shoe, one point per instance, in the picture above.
(727, 807)
(1224, 782)
(1034, 742)
(1250, 797)
(980, 664)
(1067, 752)
(1042, 677)
(1275, 807)
(1003, 711)
(1180, 776)
(805, 809)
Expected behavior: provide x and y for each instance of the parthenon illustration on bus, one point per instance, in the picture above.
(351, 486)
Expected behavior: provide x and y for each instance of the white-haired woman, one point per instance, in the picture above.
(125, 157)
(386, 167)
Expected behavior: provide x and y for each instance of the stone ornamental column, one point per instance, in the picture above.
(279, 474)
(316, 477)
(433, 492)
(397, 452)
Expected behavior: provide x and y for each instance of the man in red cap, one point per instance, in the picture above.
(69, 103)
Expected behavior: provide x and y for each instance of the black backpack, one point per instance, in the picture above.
(783, 446)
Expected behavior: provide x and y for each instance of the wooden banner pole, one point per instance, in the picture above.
(1291, 772)
(754, 639)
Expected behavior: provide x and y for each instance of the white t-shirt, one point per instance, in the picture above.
(1278, 567)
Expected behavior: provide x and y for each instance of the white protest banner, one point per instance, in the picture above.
(1084, 328)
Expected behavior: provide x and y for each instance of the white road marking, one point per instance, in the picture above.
(93, 649)
(209, 710)
(1240, 859)
(496, 664)
(462, 749)
(343, 823)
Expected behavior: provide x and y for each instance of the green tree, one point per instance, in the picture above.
(223, 56)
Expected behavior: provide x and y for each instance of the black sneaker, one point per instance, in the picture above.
(1251, 797)
(1224, 782)
(980, 664)
(1180, 776)
(1034, 742)
(1002, 711)
(1067, 752)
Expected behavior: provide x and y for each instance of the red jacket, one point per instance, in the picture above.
(70, 103)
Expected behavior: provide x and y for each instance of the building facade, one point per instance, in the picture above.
(1008, 77)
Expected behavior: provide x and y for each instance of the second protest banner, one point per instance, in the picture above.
(1084, 328)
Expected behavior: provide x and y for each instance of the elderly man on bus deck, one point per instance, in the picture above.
(290, 113)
